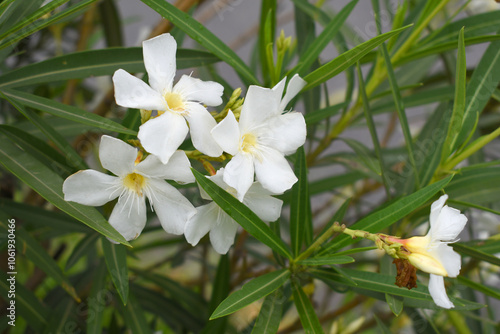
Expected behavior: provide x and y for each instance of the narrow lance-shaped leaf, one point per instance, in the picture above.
(268, 10)
(252, 291)
(380, 219)
(81, 249)
(242, 215)
(326, 260)
(300, 215)
(65, 111)
(385, 284)
(203, 36)
(74, 159)
(89, 63)
(220, 292)
(116, 261)
(340, 63)
(457, 116)
(331, 29)
(373, 132)
(49, 185)
(269, 317)
(40, 24)
(306, 311)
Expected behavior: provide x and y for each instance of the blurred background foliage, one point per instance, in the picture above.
(399, 108)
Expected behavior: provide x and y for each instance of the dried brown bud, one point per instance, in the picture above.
(407, 274)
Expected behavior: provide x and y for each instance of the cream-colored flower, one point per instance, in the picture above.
(431, 253)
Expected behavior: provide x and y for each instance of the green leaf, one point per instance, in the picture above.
(40, 24)
(327, 260)
(81, 249)
(269, 317)
(395, 304)
(219, 293)
(477, 186)
(307, 314)
(116, 261)
(189, 299)
(331, 29)
(300, 213)
(325, 113)
(242, 215)
(73, 158)
(134, 317)
(30, 19)
(337, 217)
(41, 218)
(202, 35)
(252, 291)
(49, 185)
(457, 116)
(476, 254)
(177, 317)
(477, 25)
(267, 32)
(38, 255)
(380, 219)
(396, 94)
(65, 111)
(39, 149)
(27, 304)
(345, 60)
(369, 281)
(79, 65)
(96, 300)
(487, 290)
(482, 84)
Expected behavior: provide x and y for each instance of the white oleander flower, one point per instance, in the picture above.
(133, 183)
(211, 218)
(261, 139)
(432, 254)
(177, 104)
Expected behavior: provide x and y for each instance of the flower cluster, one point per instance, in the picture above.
(258, 143)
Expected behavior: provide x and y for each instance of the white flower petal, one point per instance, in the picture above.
(178, 168)
(132, 92)
(159, 59)
(260, 201)
(163, 135)
(89, 187)
(438, 292)
(450, 222)
(227, 134)
(294, 87)
(117, 156)
(239, 174)
(173, 209)
(285, 133)
(201, 124)
(260, 104)
(436, 209)
(201, 223)
(206, 92)
(129, 215)
(222, 235)
(274, 172)
(450, 259)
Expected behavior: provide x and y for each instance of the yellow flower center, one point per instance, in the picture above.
(175, 102)
(135, 182)
(248, 143)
